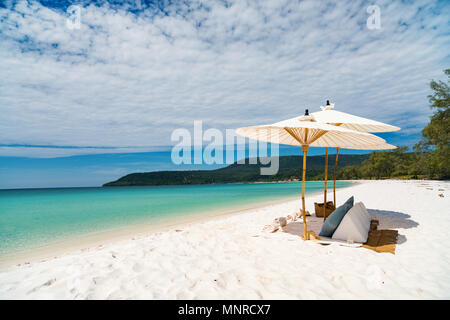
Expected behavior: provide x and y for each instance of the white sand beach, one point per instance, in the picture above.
(232, 257)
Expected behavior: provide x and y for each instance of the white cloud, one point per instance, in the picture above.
(129, 80)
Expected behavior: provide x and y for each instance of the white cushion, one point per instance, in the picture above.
(354, 226)
(364, 213)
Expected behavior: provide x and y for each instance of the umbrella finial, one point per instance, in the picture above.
(306, 112)
(328, 106)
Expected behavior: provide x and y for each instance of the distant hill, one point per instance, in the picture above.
(290, 169)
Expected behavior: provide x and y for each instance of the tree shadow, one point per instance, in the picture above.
(393, 220)
(296, 227)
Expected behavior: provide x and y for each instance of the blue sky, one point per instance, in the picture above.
(83, 106)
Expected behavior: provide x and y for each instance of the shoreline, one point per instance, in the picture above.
(99, 238)
(85, 242)
(179, 185)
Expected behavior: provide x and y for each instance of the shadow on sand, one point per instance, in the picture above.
(393, 220)
(296, 227)
(387, 219)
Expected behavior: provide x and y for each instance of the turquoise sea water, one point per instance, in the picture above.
(35, 217)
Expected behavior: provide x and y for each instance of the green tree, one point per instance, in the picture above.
(403, 162)
(350, 173)
(437, 133)
(419, 165)
(379, 165)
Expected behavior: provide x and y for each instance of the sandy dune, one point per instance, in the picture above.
(232, 258)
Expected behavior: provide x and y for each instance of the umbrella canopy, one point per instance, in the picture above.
(384, 146)
(349, 121)
(305, 131)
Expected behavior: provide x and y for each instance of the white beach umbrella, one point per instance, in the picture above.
(349, 121)
(345, 120)
(305, 131)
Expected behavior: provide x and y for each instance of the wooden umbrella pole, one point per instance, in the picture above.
(334, 180)
(325, 186)
(305, 231)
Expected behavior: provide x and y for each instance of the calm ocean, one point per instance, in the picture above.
(35, 217)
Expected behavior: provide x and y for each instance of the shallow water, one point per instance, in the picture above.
(34, 217)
